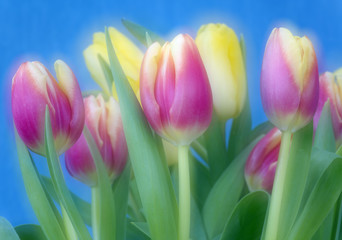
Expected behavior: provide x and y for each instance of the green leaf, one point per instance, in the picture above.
(298, 165)
(7, 231)
(240, 131)
(324, 136)
(120, 192)
(142, 227)
(83, 206)
(216, 147)
(108, 76)
(323, 152)
(59, 184)
(106, 205)
(225, 194)
(247, 219)
(200, 181)
(197, 229)
(30, 232)
(133, 233)
(321, 201)
(149, 166)
(43, 207)
(139, 32)
(261, 129)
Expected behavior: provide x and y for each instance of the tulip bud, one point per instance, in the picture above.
(330, 88)
(262, 162)
(103, 120)
(34, 88)
(129, 56)
(222, 57)
(289, 80)
(175, 90)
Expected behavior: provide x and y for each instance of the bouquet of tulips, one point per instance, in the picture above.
(152, 146)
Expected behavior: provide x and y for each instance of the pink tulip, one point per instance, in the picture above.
(104, 122)
(330, 85)
(262, 162)
(289, 80)
(175, 90)
(34, 88)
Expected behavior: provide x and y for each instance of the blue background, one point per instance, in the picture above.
(48, 30)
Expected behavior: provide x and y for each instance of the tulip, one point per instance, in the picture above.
(289, 80)
(103, 120)
(34, 88)
(262, 162)
(129, 56)
(175, 90)
(222, 57)
(330, 85)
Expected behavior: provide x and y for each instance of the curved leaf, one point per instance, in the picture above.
(321, 201)
(225, 194)
(7, 231)
(43, 207)
(30, 232)
(106, 206)
(149, 166)
(59, 182)
(247, 219)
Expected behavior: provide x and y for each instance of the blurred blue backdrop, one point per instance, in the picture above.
(47, 30)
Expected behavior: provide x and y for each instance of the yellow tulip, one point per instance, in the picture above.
(223, 59)
(129, 55)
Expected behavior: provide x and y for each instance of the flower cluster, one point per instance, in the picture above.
(127, 141)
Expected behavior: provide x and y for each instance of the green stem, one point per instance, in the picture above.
(184, 193)
(278, 188)
(70, 231)
(95, 211)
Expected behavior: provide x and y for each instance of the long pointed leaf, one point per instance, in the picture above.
(106, 202)
(59, 182)
(150, 169)
(30, 232)
(225, 194)
(7, 231)
(139, 32)
(247, 219)
(120, 192)
(39, 200)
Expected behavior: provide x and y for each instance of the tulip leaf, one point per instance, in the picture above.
(322, 152)
(324, 135)
(200, 181)
(142, 227)
(298, 164)
(120, 190)
(7, 231)
(30, 232)
(59, 184)
(240, 131)
(225, 194)
(108, 76)
(216, 148)
(139, 32)
(320, 202)
(134, 233)
(83, 206)
(247, 219)
(104, 195)
(42, 205)
(150, 169)
(262, 128)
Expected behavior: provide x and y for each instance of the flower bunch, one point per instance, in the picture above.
(151, 145)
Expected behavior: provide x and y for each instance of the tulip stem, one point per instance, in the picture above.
(184, 193)
(70, 231)
(95, 212)
(278, 187)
